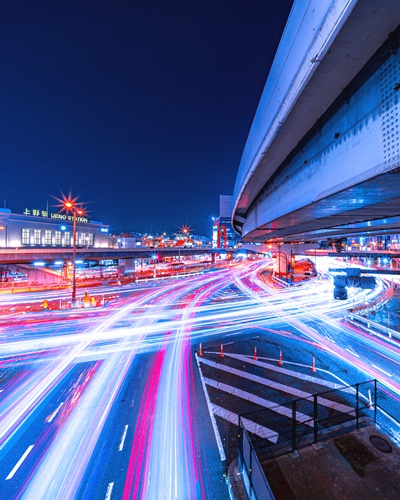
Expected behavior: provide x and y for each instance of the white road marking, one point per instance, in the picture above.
(109, 491)
(249, 425)
(285, 371)
(352, 352)
(18, 464)
(383, 371)
(55, 412)
(280, 387)
(282, 410)
(210, 411)
(121, 445)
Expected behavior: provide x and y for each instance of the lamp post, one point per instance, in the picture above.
(69, 206)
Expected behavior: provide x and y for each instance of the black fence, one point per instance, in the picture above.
(298, 423)
(253, 477)
(305, 421)
(301, 422)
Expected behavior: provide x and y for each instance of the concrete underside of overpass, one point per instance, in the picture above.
(336, 215)
(333, 170)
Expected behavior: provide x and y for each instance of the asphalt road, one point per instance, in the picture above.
(108, 403)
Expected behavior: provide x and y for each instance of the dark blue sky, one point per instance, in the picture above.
(142, 108)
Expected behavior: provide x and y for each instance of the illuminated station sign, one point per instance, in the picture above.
(45, 213)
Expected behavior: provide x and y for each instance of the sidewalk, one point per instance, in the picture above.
(346, 467)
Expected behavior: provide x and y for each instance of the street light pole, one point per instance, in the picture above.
(69, 205)
(73, 299)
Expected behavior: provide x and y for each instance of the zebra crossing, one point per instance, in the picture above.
(237, 384)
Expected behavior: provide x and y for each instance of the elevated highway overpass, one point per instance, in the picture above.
(323, 154)
(30, 255)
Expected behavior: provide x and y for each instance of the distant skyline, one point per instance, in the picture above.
(142, 109)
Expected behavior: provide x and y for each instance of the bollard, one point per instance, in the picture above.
(201, 350)
(280, 362)
(255, 353)
(221, 352)
(313, 365)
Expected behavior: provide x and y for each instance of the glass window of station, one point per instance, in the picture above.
(55, 238)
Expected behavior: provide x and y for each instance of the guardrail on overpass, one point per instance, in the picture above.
(28, 255)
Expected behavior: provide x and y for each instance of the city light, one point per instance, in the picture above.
(71, 205)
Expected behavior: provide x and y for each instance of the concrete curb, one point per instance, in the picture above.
(236, 488)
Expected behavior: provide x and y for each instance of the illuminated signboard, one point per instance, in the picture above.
(45, 213)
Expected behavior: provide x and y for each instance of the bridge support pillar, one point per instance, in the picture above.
(127, 264)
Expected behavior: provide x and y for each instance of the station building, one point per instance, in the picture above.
(41, 228)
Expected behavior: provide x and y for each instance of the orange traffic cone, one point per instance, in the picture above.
(255, 353)
(313, 365)
(221, 352)
(280, 362)
(201, 350)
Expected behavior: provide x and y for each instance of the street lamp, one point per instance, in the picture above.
(69, 206)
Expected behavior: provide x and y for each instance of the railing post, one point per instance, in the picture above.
(375, 397)
(315, 418)
(357, 406)
(251, 469)
(240, 444)
(294, 445)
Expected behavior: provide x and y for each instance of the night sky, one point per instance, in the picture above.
(142, 108)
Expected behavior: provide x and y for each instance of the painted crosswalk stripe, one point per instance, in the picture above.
(280, 387)
(282, 410)
(18, 464)
(285, 371)
(249, 425)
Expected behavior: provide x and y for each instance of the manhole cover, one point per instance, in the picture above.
(380, 444)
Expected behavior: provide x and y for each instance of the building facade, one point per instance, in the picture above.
(224, 235)
(40, 228)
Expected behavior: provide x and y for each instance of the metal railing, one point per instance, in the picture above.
(254, 481)
(371, 325)
(309, 420)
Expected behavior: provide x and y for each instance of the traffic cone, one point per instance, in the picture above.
(221, 352)
(313, 365)
(201, 350)
(280, 362)
(255, 353)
